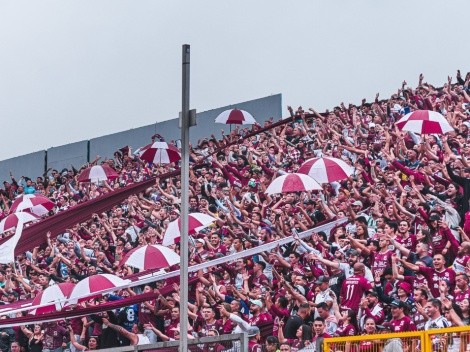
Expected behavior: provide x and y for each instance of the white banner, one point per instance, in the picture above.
(149, 278)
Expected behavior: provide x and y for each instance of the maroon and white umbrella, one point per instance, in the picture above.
(34, 203)
(235, 116)
(95, 285)
(97, 173)
(196, 222)
(424, 122)
(160, 153)
(151, 257)
(326, 170)
(293, 183)
(52, 298)
(11, 221)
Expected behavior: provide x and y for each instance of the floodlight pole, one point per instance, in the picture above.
(185, 123)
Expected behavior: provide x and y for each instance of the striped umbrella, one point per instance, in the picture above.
(95, 285)
(196, 222)
(151, 257)
(160, 153)
(293, 183)
(326, 170)
(52, 298)
(11, 221)
(424, 122)
(97, 173)
(235, 116)
(34, 203)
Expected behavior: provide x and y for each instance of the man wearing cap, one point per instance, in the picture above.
(257, 314)
(325, 294)
(400, 321)
(253, 340)
(371, 308)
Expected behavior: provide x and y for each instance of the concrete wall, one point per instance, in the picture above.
(76, 154)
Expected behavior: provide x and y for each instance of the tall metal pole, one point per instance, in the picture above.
(185, 123)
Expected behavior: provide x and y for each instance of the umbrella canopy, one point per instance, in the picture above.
(197, 222)
(235, 116)
(34, 203)
(94, 285)
(12, 220)
(293, 183)
(151, 257)
(424, 122)
(55, 295)
(97, 173)
(160, 153)
(326, 170)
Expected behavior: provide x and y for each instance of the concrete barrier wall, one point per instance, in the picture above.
(77, 154)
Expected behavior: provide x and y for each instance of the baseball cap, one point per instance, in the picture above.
(253, 331)
(358, 203)
(397, 303)
(405, 286)
(372, 293)
(256, 302)
(321, 279)
(434, 217)
(200, 240)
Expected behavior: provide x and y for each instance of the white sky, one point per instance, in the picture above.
(74, 70)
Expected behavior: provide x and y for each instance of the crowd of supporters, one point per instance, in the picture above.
(399, 262)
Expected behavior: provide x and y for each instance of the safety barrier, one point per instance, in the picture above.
(226, 343)
(454, 339)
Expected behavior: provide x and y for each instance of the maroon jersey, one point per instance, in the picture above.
(417, 281)
(261, 280)
(260, 319)
(346, 330)
(419, 320)
(254, 347)
(206, 327)
(402, 325)
(171, 328)
(434, 277)
(352, 291)
(439, 240)
(146, 315)
(409, 242)
(461, 295)
(382, 260)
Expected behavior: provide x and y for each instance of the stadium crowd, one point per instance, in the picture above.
(399, 262)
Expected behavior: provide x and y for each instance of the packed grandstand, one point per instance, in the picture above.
(389, 250)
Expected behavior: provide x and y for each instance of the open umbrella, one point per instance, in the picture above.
(160, 153)
(235, 116)
(293, 183)
(196, 222)
(97, 173)
(151, 257)
(12, 220)
(34, 203)
(326, 170)
(424, 122)
(52, 298)
(95, 285)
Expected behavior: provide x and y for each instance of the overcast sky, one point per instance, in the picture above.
(74, 70)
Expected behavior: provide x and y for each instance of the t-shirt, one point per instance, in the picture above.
(434, 277)
(382, 260)
(402, 325)
(352, 291)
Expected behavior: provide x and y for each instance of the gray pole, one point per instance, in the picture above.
(183, 347)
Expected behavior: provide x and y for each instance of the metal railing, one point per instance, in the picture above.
(225, 343)
(454, 339)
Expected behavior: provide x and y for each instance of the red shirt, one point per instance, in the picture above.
(352, 291)
(402, 325)
(260, 319)
(434, 277)
(382, 260)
